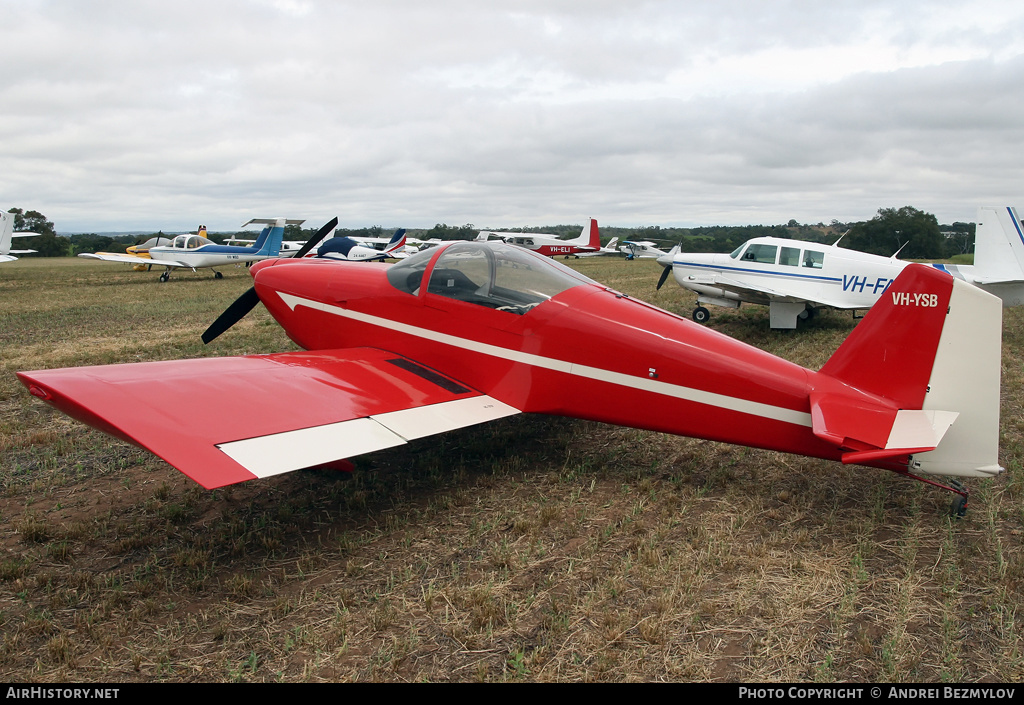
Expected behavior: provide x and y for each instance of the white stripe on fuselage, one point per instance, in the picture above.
(699, 396)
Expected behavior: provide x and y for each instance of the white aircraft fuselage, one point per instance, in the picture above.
(794, 278)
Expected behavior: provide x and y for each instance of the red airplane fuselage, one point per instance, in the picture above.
(588, 352)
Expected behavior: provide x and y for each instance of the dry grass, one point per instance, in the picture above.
(528, 549)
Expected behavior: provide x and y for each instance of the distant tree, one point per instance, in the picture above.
(959, 239)
(915, 234)
(90, 242)
(48, 243)
(450, 232)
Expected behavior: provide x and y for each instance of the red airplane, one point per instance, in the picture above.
(587, 242)
(473, 331)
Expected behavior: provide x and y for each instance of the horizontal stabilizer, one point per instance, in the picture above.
(861, 424)
(272, 221)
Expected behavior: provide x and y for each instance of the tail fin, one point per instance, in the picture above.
(397, 241)
(590, 236)
(998, 246)
(202, 231)
(931, 344)
(271, 237)
(6, 232)
(271, 244)
(7, 236)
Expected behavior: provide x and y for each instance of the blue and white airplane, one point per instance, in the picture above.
(353, 249)
(192, 251)
(795, 278)
(7, 234)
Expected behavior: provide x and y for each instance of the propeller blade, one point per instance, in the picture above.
(320, 235)
(664, 275)
(248, 300)
(232, 314)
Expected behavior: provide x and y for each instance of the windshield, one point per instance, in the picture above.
(490, 274)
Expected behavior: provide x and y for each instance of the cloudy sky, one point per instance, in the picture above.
(137, 114)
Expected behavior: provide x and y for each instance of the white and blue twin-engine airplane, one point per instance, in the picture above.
(795, 278)
(193, 251)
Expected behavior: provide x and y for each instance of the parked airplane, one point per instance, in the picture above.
(589, 240)
(195, 251)
(634, 249)
(609, 249)
(143, 248)
(473, 331)
(794, 278)
(141, 251)
(7, 234)
(348, 248)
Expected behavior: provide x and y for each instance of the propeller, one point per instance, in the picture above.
(664, 275)
(666, 261)
(249, 298)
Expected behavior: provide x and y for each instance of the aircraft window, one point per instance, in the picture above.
(764, 254)
(813, 259)
(736, 253)
(497, 276)
(790, 256)
(179, 241)
(408, 274)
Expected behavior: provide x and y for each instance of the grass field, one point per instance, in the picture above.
(532, 548)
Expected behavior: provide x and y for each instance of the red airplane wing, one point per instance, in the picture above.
(231, 419)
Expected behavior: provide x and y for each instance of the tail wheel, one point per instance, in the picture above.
(959, 506)
(701, 314)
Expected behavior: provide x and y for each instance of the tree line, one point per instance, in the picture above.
(912, 233)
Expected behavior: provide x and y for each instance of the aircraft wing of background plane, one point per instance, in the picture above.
(128, 258)
(766, 294)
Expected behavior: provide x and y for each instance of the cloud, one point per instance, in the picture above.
(135, 115)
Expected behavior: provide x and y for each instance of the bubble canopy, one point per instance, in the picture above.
(490, 274)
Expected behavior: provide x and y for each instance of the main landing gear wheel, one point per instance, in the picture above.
(701, 314)
(165, 276)
(218, 275)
